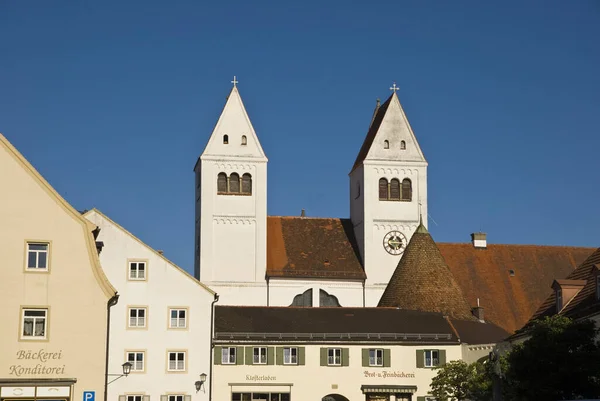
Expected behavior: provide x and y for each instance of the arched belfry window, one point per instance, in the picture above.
(402, 145)
(234, 183)
(244, 140)
(383, 189)
(394, 189)
(406, 190)
(246, 184)
(225, 139)
(222, 183)
(386, 144)
(304, 299)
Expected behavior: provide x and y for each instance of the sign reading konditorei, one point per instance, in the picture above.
(389, 374)
(40, 368)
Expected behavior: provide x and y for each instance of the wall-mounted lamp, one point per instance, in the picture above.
(200, 383)
(126, 371)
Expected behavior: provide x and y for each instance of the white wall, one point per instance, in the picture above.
(166, 286)
(283, 291)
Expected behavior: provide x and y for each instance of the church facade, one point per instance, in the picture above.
(336, 262)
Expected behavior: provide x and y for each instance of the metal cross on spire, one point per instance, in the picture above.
(235, 81)
(394, 88)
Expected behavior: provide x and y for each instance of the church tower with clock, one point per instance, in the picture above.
(388, 193)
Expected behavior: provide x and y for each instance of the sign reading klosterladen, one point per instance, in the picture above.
(45, 363)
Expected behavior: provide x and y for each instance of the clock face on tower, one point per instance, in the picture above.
(394, 242)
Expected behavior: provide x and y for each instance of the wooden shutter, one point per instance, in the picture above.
(442, 356)
(218, 355)
(406, 190)
(383, 189)
(301, 356)
(279, 356)
(323, 356)
(234, 183)
(164, 398)
(387, 358)
(187, 398)
(222, 182)
(395, 189)
(420, 358)
(365, 357)
(345, 357)
(420, 398)
(122, 398)
(270, 356)
(249, 352)
(239, 355)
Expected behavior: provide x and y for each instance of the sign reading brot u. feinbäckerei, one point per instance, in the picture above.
(37, 363)
(389, 374)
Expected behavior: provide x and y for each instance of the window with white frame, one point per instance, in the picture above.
(176, 361)
(137, 317)
(37, 256)
(432, 358)
(290, 356)
(375, 357)
(177, 397)
(137, 270)
(135, 397)
(35, 324)
(334, 356)
(228, 356)
(137, 360)
(259, 355)
(177, 318)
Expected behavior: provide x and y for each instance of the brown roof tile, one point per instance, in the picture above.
(304, 247)
(422, 281)
(509, 301)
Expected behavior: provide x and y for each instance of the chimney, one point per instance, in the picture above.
(160, 252)
(478, 312)
(479, 240)
(303, 213)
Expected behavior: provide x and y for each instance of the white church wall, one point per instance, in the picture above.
(241, 294)
(283, 291)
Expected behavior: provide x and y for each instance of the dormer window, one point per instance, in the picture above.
(559, 301)
(386, 144)
(225, 139)
(244, 140)
(402, 145)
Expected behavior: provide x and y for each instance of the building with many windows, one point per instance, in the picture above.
(55, 295)
(161, 324)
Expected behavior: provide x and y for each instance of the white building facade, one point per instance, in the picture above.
(161, 324)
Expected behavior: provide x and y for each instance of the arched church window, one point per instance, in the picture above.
(386, 144)
(234, 183)
(222, 183)
(383, 189)
(326, 299)
(402, 145)
(246, 184)
(225, 139)
(406, 190)
(244, 140)
(394, 189)
(304, 299)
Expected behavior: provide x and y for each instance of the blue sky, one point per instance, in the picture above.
(114, 101)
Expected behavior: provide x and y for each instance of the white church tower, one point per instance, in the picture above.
(231, 209)
(388, 193)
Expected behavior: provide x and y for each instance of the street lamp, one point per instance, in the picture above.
(200, 383)
(126, 371)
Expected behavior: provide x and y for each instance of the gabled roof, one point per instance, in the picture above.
(510, 281)
(305, 247)
(373, 128)
(584, 303)
(423, 281)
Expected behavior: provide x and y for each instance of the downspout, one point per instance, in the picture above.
(267, 291)
(111, 302)
(210, 368)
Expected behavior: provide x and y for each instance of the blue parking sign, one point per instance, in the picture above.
(89, 396)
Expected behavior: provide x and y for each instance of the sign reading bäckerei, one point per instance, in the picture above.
(389, 374)
(39, 362)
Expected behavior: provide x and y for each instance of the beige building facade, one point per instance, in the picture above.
(54, 293)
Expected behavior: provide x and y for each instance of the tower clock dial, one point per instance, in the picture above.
(394, 242)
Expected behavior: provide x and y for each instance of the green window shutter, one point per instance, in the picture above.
(217, 355)
(239, 355)
(249, 352)
(345, 357)
(270, 356)
(365, 357)
(323, 356)
(442, 353)
(387, 358)
(420, 358)
(301, 356)
(420, 398)
(279, 356)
